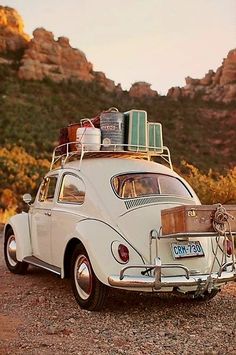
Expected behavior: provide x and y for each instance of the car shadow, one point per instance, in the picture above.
(118, 301)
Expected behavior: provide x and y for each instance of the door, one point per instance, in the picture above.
(67, 212)
(41, 214)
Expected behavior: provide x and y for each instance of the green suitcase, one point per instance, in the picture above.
(155, 141)
(136, 130)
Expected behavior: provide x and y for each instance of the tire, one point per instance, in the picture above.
(15, 266)
(207, 296)
(89, 292)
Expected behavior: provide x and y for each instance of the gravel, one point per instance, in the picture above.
(39, 315)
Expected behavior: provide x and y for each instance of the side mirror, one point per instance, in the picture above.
(27, 198)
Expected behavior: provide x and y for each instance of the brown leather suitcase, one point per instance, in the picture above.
(193, 218)
(63, 139)
(72, 129)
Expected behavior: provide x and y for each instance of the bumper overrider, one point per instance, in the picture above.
(152, 277)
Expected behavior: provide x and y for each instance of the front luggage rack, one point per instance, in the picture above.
(64, 153)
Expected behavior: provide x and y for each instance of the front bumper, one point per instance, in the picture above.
(198, 282)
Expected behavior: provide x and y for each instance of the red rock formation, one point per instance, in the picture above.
(57, 60)
(12, 36)
(228, 75)
(219, 86)
(142, 89)
(46, 57)
(175, 92)
(107, 84)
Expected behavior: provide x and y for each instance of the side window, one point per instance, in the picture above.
(47, 190)
(72, 190)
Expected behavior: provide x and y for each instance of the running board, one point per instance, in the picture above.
(37, 262)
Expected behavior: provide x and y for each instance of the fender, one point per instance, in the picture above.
(97, 238)
(20, 225)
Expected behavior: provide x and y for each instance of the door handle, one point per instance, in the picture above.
(47, 214)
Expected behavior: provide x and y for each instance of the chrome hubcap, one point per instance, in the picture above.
(11, 250)
(83, 277)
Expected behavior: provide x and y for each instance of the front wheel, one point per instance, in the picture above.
(89, 292)
(15, 266)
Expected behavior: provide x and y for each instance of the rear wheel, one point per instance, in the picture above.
(206, 296)
(15, 266)
(89, 292)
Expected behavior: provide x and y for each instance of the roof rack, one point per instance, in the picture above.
(63, 153)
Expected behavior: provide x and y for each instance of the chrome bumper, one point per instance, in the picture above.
(202, 282)
(152, 277)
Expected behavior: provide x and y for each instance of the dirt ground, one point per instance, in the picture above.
(38, 315)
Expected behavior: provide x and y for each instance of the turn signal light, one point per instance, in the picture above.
(123, 252)
(228, 246)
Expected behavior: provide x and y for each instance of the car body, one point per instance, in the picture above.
(99, 221)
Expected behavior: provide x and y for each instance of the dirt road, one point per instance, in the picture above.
(38, 315)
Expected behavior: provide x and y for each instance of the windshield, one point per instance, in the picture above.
(146, 184)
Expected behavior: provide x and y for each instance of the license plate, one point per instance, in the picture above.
(186, 250)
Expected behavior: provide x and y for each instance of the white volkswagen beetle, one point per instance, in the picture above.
(98, 220)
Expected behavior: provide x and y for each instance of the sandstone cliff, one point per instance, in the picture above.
(44, 56)
(142, 89)
(219, 86)
(12, 36)
(57, 60)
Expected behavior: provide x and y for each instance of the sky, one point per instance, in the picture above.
(157, 41)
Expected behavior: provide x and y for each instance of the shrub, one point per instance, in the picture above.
(19, 173)
(211, 187)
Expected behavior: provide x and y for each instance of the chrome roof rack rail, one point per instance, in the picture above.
(64, 153)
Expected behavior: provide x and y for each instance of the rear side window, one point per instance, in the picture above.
(47, 190)
(72, 190)
(145, 184)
